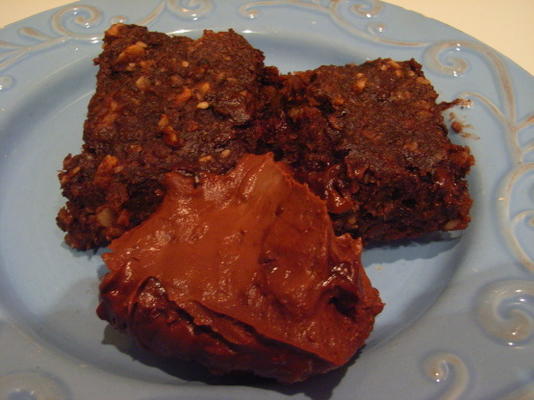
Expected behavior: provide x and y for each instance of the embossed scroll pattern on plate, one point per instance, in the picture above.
(85, 23)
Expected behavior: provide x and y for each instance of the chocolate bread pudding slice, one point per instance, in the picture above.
(242, 272)
(161, 104)
(370, 139)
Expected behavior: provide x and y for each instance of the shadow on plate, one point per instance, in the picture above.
(87, 254)
(316, 388)
(425, 247)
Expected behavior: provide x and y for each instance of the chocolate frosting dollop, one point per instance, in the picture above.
(241, 272)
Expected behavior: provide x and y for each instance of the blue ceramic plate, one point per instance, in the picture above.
(459, 319)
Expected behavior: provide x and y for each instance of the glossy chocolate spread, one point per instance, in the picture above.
(242, 272)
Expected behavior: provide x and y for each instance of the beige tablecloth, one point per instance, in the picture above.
(504, 25)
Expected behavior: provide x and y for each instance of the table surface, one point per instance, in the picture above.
(504, 25)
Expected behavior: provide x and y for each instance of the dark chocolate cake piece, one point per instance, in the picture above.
(370, 139)
(161, 104)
